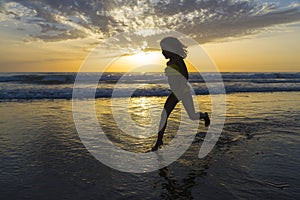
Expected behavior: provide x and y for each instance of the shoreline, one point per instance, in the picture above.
(164, 96)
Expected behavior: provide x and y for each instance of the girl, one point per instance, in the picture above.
(178, 76)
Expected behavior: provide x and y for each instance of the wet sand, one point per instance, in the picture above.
(256, 157)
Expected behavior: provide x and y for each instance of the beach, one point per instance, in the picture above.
(87, 86)
(256, 157)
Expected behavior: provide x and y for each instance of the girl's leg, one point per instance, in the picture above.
(188, 104)
(168, 107)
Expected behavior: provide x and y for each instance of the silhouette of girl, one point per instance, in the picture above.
(178, 76)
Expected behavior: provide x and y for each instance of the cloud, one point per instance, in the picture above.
(204, 20)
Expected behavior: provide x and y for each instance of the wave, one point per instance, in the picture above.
(107, 93)
(60, 85)
(69, 78)
(295, 75)
(39, 78)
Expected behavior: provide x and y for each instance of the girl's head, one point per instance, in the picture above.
(172, 46)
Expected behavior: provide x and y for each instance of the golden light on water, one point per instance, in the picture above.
(140, 110)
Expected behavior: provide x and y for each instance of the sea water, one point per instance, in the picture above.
(256, 157)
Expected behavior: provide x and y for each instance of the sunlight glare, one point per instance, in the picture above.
(150, 61)
(145, 58)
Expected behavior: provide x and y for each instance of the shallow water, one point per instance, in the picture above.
(257, 156)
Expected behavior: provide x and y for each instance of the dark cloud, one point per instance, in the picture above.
(205, 20)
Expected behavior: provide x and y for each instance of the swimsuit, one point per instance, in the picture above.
(173, 70)
(178, 83)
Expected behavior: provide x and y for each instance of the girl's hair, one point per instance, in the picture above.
(173, 45)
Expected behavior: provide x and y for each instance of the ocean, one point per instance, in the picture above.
(60, 85)
(256, 156)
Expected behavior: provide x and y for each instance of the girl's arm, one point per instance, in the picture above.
(184, 71)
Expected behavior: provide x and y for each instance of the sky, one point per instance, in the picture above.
(238, 35)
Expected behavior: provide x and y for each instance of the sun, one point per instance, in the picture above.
(144, 58)
(150, 61)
